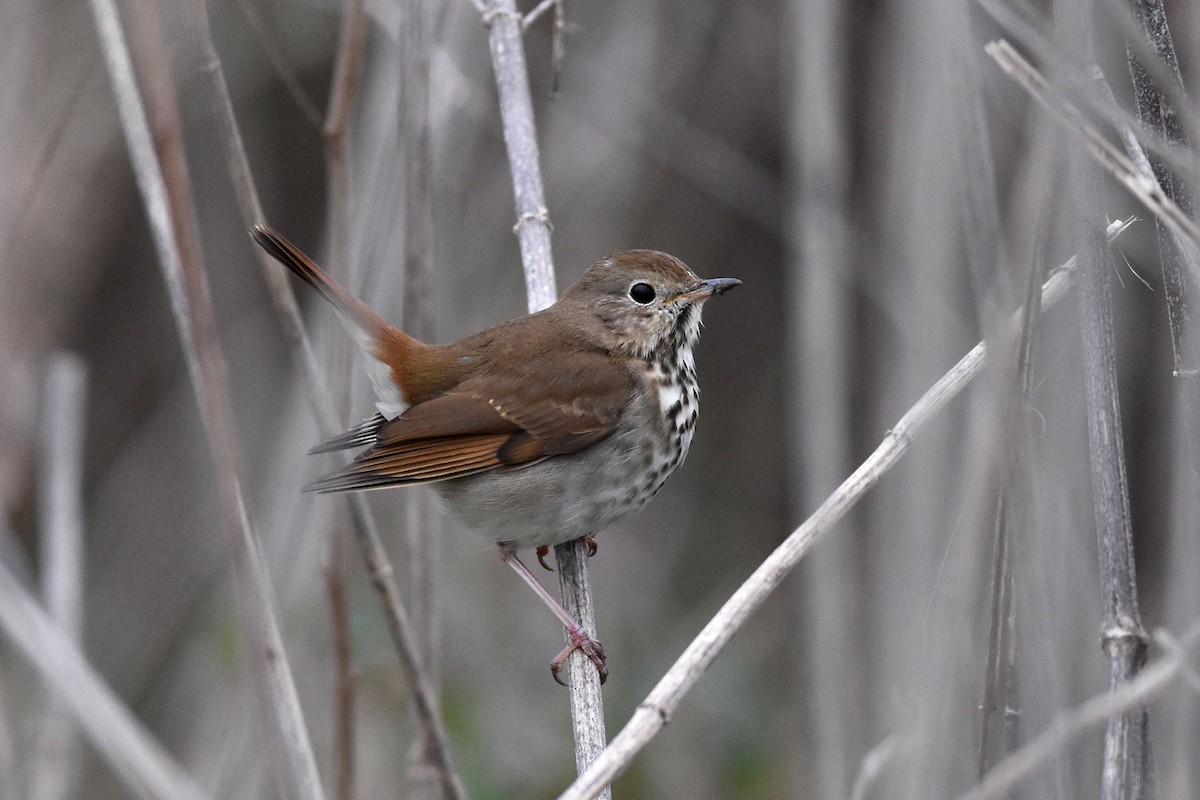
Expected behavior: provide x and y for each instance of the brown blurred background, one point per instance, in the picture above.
(825, 153)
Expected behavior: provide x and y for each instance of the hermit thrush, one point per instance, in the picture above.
(540, 430)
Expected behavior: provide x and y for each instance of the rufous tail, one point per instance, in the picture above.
(290, 256)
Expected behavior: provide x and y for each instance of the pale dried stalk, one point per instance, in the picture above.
(9, 775)
(1157, 114)
(1068, 725)
(342, 96)
(135, 756)
(536, 12)
(422, 528)
(533, 231)
(1122, 637)
(157, 159)
(1000, 689)
(1120, 166)
(520, 137)
(60, 514)
(821, 347)
(655, 711)
(378, 565)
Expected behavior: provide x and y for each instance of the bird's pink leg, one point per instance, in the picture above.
(579, 638)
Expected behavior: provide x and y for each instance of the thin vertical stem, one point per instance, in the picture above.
(1156, 114)
(422, 519)
(375, 559)
(154, 138)
(136, 757)
(533, 232)
(829, 675)
(345, 685)
(342, 96)
(520, 137)
(1123, 638)
(60, 511)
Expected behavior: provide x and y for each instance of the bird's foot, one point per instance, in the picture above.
(590, 648)
(544, 551)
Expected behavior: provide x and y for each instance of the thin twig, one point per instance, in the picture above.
(1123, 639)
(345, 684)
(421, 515)
(520, 137)
(1156, 113)
(1120, 166)
(830, 677)
(655, 711)
(60, 512)
(536, 13)
(9, 774)
(558, 47)
(136, 757)
(342, 96)
(283, 67)
(533, 231)
(999, 695)
(587, 708)
(154, 139)
(1068, 725)
(377, 564)
(872, 764)
(1035, 37)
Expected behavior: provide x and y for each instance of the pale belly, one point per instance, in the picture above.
(566, 497)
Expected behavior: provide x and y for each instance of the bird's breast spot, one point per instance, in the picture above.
(669, 395)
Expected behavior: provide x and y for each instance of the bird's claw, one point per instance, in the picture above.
(590, 648)
(544, 550)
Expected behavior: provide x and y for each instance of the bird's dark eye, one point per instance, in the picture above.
(642, 293)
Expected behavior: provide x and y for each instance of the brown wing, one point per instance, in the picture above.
(491, 421)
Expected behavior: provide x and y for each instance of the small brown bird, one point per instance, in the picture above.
(540, 430)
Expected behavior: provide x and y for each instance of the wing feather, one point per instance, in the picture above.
(453, 457)
(497, 419)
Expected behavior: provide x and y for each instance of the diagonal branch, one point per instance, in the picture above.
(1120, 166)
(378, 565)
(1156, 113)
(137, 758)
(154, 138)
(655, 711)
(1069, 724)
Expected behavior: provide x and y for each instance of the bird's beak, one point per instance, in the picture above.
(708, 288)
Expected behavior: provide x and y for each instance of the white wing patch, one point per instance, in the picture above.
(387, 394)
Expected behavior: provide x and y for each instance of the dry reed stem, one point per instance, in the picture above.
(533, 231)
(422, 519)
(1126, 757)
(378, 565)
(342, 96)
(1068, 725)
(136, 757)
(154, 138)
(53, 768)
(655, 711)
(1156, 112)
(1120, 166)
(1122, 637)
(9, 774)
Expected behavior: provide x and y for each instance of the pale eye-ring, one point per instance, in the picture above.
(642, 293)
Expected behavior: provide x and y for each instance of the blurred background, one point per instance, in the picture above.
(834, 156)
